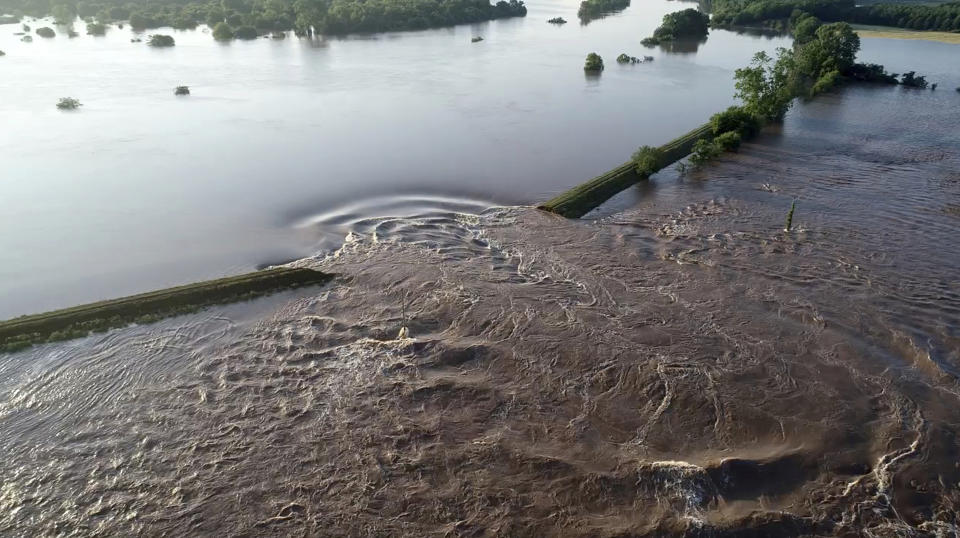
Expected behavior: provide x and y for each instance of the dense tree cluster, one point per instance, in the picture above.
(593, 63)
(264, 16)
(594, 9)
(943, 17)
(160, 40)
(777, 13)
(689, 23)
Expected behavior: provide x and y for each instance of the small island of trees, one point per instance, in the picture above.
(46, 32)
(594, 63)
(595, 9)
(181, 90)
(68, 103)
(160, 40)
(689, 23)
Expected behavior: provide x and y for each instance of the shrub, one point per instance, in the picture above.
(4, 54)
(245, 32)
(557, 20)
(181, 90)
(96, 28)
(826, 82)
(46, 32)
(27, 39)
(913, 80)
(222, 32)
(736, 119)
(160, 40)
(648, 160)
(729, 141)
(68, 103)
(705, 150)
(594, 63)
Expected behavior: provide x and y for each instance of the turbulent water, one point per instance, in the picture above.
(678, 365)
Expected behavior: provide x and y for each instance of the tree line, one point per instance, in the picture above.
(775, 13)
(303, 16)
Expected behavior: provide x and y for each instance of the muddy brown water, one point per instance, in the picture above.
(676, 365)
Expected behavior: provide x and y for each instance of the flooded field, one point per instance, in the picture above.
(678, 364)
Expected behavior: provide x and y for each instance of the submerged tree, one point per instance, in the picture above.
(160, 40)
(96, 28)
(181, 90)
(46, 32)
(68, 103)
(222, 32)
(594, 63)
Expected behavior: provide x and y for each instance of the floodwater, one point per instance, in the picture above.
(282, 142)
(677, 365)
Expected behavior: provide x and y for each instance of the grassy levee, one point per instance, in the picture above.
(22, 332)
(583, 198)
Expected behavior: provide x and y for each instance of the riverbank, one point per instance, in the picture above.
(887, 32)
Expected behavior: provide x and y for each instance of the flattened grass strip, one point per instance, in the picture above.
(78, 321)
(583, 198)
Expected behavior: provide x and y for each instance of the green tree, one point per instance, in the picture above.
(222, 32)
(594, 63)
(63, 14)
(160, 40)
(767, 86)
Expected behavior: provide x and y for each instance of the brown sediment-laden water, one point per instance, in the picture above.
(678, 365)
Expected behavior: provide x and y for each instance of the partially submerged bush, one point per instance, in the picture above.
(594, 63)
(222, 32)
(46, 32)
(913, 80)
(181, 90)
(160, 40)
(648, 160)
(68, 103)
(4, 54)
(96, 28)
(705, 150)
(871, 73)
(627, 59)
(27, 39)
(245, 32)
(735, 119)
(825, 82)
(729, 141)
(557, 20)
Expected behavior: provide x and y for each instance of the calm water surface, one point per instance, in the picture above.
(282, 143)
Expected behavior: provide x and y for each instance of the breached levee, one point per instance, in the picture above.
(583, 198)
(78, 321)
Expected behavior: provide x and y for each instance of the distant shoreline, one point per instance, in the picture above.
(899, 33)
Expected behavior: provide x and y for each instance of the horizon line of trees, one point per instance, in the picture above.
(305, 17)
(775, 13)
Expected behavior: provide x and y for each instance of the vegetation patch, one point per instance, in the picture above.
(96, 28)
(595, 9)
(22, 332)
(689, 23)
(68, 103)
(181, 90)
(776, 14)
(9, 19)
(593, 63)
(557, 20)
(245, 32)
(160, 40)
(46, 32)
(222, 32)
